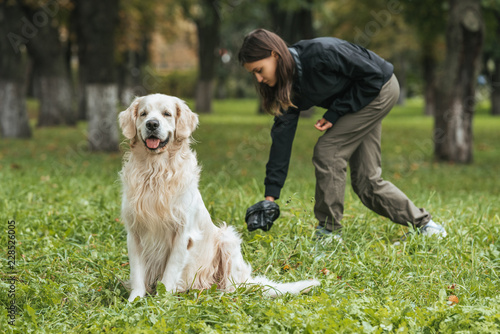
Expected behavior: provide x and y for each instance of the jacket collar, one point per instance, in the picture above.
(296, 58)
(298, 66)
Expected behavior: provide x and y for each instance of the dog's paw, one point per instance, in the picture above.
(170, 287)
(134, 294)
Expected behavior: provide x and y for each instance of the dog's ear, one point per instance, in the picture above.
(186, 121)
(127, 119)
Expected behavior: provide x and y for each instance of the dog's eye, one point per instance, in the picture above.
(166, 114)
(143, 114)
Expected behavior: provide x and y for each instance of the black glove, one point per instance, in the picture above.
(262, 215)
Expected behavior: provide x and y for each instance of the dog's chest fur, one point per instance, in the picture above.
(155, 187)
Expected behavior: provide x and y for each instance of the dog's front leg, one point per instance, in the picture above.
(137, 268)
(175, 265)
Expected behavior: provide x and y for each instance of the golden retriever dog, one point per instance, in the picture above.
(170, 235)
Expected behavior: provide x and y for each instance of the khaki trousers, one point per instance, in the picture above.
(355, 139)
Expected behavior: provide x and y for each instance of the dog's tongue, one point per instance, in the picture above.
(152, 143)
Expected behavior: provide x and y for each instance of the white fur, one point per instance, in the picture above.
(171, 237)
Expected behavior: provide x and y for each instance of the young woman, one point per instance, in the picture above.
(358, 89)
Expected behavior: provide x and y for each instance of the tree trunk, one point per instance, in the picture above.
(429, 63)
(81, 91)
(101, 102)
(495, 89)
(453, 119)
(429, 66)
(204, 94)
(14, 121)
(55, 100)
(493, 74)
(128, 70)
(208, 30)
(292, 26)
(96, 23)
(130, 74)
(401, 75)
(13, 116)
(52, 82)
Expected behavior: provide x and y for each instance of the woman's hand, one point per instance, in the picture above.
(323, 125)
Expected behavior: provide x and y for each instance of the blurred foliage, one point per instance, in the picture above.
(492, 22)
(402, 31)
(178, 83)
(378, 25)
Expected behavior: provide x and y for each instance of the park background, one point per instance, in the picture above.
(68, 67)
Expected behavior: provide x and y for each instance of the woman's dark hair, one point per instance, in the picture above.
(260, 44)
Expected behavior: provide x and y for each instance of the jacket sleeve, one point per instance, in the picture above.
(367, 75)
(282, 135)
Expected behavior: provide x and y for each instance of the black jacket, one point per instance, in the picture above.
(331, 73)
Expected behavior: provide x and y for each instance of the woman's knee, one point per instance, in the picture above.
(363, 186)
(320, 155)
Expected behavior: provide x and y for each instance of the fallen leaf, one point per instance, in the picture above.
(325, 271)
(453, 299)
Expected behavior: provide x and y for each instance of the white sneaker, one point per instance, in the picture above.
(433, 229)
(430, 229)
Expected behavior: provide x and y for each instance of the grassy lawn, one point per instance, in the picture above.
(71, 255)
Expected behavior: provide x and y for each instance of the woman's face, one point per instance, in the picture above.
(264, 69)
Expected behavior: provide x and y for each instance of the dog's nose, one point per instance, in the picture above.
(152, 124)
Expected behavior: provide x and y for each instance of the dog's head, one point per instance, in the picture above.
(156, 121)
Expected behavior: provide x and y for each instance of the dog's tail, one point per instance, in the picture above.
(274, 289)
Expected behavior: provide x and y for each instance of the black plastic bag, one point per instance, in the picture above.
(262, 215)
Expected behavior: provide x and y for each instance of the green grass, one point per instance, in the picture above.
(71, 248)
